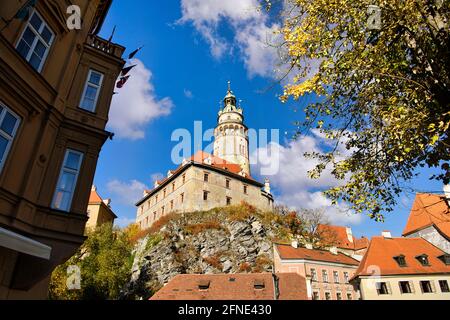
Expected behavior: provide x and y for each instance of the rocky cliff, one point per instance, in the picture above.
(234, 239)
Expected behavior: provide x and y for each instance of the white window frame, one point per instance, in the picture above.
(7, 136)
(96, 86)
(38, 37)
(62, 170)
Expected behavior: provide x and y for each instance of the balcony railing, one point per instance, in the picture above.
(105, 46)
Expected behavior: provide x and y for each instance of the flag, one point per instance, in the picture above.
(25, 11)
(122, 82)
(131, 56)
(127, 69)
(112, 34)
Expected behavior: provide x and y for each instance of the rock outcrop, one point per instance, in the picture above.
(217, 241)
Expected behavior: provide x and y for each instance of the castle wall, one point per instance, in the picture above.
(186, 195)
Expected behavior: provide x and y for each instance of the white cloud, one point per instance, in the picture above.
(127, 193)
(188, 94)
(136, 104)
(291, 181)
(252, 31)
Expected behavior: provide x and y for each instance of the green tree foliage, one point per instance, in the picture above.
(383, 93)
(105, 261)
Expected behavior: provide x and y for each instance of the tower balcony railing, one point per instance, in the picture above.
(105, 46)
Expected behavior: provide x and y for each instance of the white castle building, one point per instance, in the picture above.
(207, 181)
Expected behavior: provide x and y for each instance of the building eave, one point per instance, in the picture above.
(20, 243)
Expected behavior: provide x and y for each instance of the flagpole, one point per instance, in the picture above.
(15, 14)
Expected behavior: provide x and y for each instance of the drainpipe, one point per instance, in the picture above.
(276, 288)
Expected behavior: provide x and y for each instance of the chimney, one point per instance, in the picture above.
(267, 185)
(156, 185)
(94, 188)
(169, 173)
(386, 234)
(447, 193)
(333, 250)
(309, 246)
(145, 193)
(107, 202)
(349, 234)
(294, 244)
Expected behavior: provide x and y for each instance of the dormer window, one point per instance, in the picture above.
(423, 259)
(204, 284)
(401, 260)
(35, 42)
(259, 284)
(445, 259)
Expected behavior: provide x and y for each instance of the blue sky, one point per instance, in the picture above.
(191, 49)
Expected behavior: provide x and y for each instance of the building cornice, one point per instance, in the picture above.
(191, 163)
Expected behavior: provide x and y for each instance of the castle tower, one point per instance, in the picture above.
(231, 134)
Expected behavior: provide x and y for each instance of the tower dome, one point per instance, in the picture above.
(231, 134)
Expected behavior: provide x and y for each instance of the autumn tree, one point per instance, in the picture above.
(379, 70)
(104, 260)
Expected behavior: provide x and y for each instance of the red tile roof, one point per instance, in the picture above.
(337, 236)
(233, 287)
(429, 210)
(381, 252)
(287, 252)
(216, 162)
(94, 197)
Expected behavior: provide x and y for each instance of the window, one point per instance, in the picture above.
(171, 204)
(163, 209)
(173, 187)
(338, 296)
(313, 274)
(156, 199)
(405, 287)
(91, 91)
(315, 295)
(154, 216)
(444, 286)
(35, 42)
(346, 278)
(327, 296)
(324, 275)
(164, 193)
(182, 197)
(423, 259)
(228, 201)
(349, 296)
(9, 122)
(336, 276)
(206, 177)
(183, 178)
(205, 195)
(401, 261)
(67, 180)
(227, 183)
(445, 259)
(245, 189)
(382, 288)
(426, 286)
